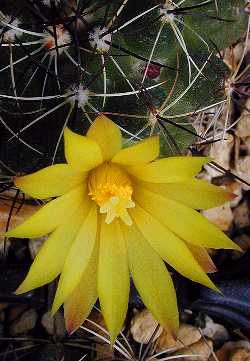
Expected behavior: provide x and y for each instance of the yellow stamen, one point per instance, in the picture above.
(110, 187)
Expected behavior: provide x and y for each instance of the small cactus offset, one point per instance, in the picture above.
(135, 77)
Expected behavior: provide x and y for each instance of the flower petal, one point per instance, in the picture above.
(169, 247)
(50, 216)
(82, 153)
(113, 277)
(142, 152)
(50, 259)
(107, 134)
(203, 258)
(193, 193)
(80, 302)
(187, 223)
(50, 181)
(77, 259)
(169, 170)
(152, 280)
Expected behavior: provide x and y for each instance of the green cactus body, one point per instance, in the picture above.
(62, 62)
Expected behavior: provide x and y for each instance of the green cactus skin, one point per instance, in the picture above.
(155, 61)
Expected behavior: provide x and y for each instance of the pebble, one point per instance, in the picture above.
(243, 170)
(16, 311)
(200, 350)
(187, 335)
(241, 215)
(24, 323)
(54, 325)
(247, 144)
(143, 326)
(243, 126)
(221, 216)
(215, 331)
(221, 154)
(234, 351)
(241, 354)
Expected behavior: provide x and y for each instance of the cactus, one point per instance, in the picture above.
(153, 67)
(147, 64)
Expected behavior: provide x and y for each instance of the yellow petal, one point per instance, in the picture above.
(169, 170)
(50, 216)
(78, 258)
(50, 181)
(107, 134)
(171, 248)
(152, 280)
(82, 153)
(185, 222)
(50, 259)
(142, 152)
(203, 258)
(80, 302)
(113, 277)
(193, 193)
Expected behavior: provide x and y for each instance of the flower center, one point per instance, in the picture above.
(110, 187)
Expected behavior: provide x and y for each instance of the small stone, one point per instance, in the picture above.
(187, 335)
(47, 322)
(241, 215)
(221, 154)
(54, 325)
(16, 311)
(60, 329)
(247, 144)
(143, 326)
(215, 331)
(24, 323)
(221, 216)
(200, 350)
(226, 352)
(35, 245)
(243, 170)
(165, 342)
(243, 126)
(241, 354)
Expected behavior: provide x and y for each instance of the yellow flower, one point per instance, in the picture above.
(119, 212)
